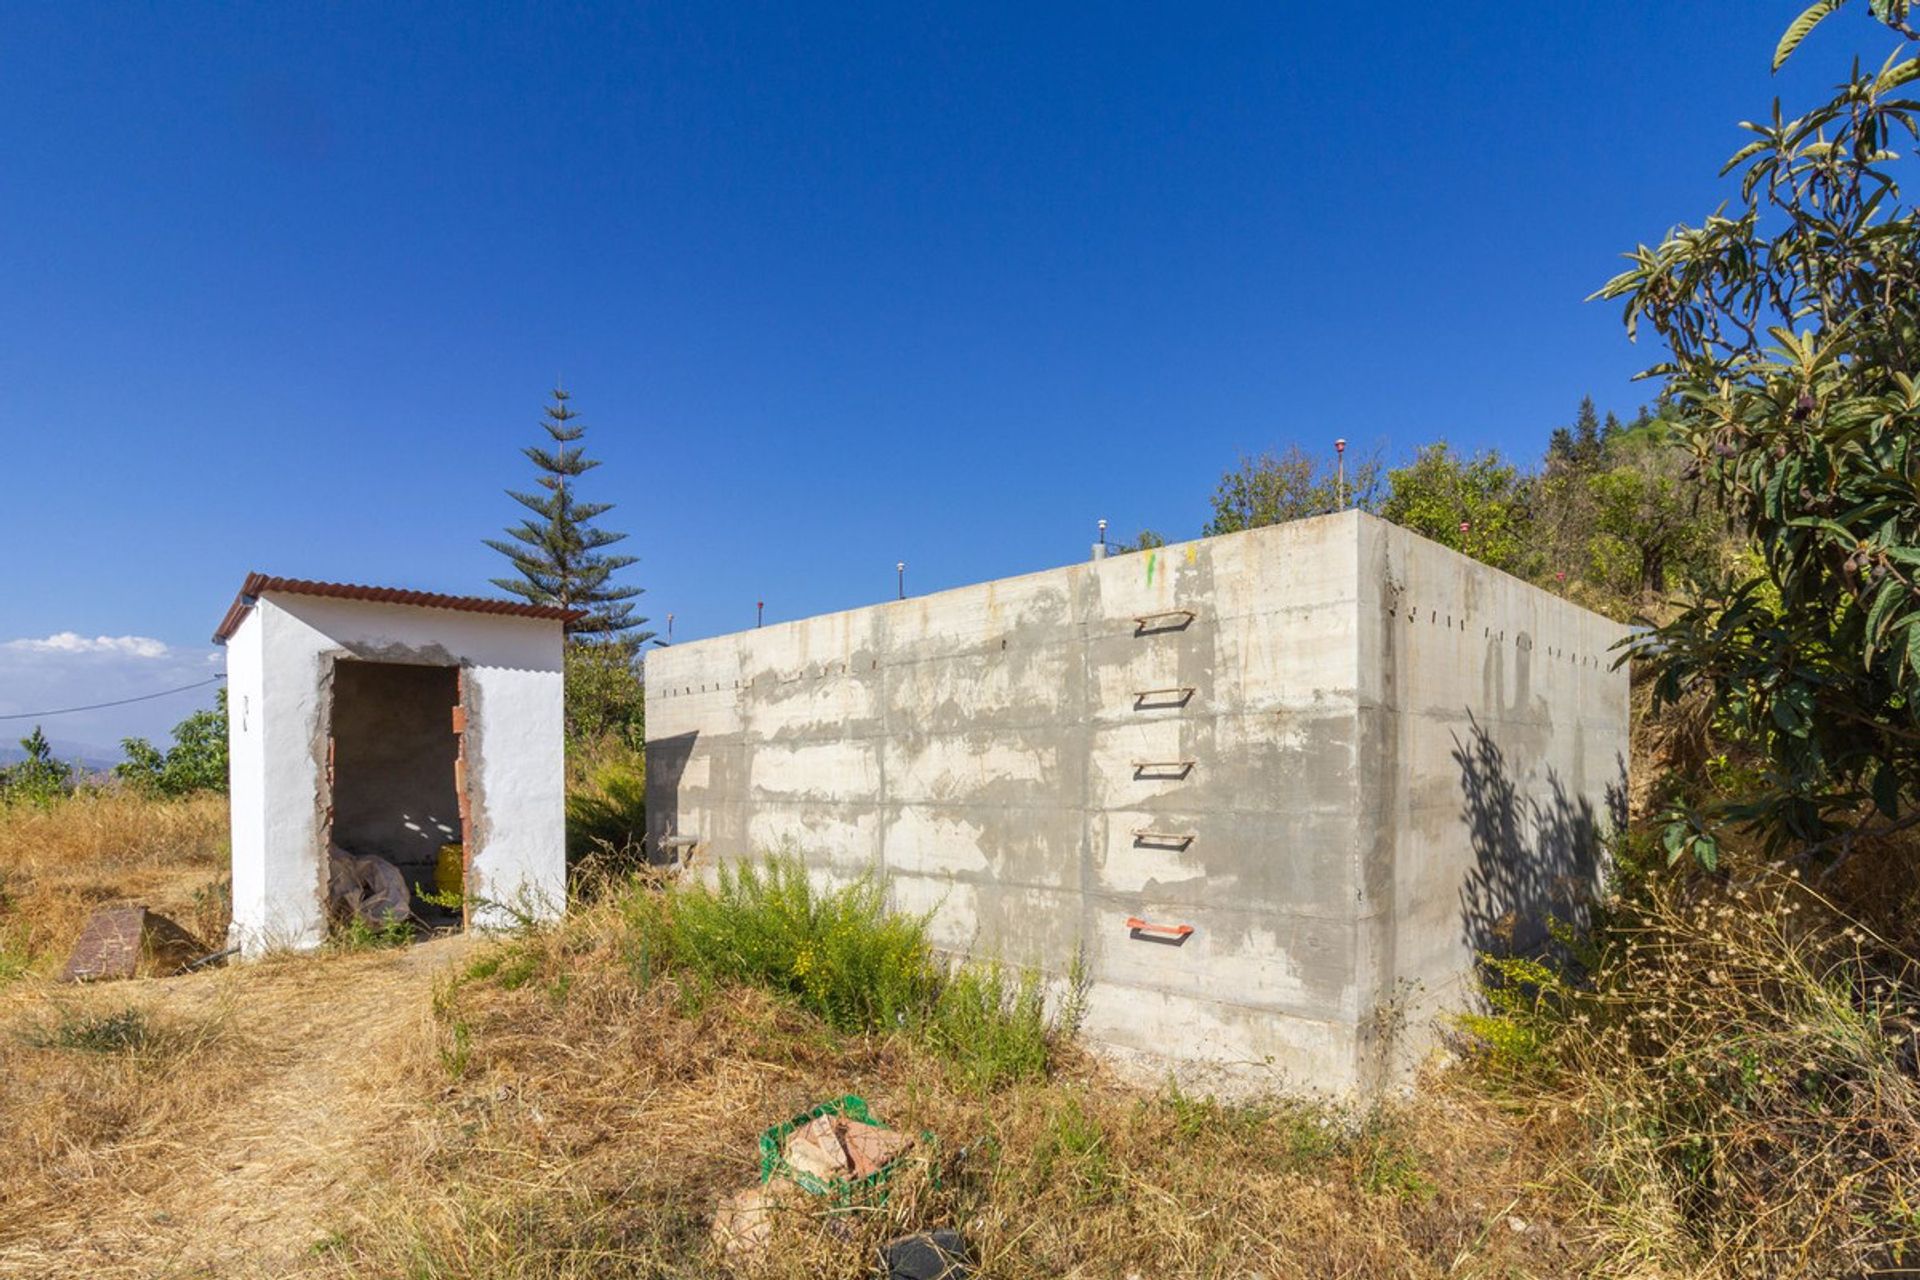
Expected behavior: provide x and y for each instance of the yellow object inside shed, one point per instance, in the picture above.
(450, 869)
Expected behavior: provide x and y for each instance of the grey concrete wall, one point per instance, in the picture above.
(1494, 730)
(995, 752)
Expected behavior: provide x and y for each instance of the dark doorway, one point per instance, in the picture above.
(395, 749)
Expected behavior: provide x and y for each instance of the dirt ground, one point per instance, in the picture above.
(552, 1105)
(287, 1079)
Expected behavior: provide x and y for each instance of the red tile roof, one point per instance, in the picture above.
(258, 584)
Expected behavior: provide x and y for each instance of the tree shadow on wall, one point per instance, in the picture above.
(666, 764)
(1534, 858)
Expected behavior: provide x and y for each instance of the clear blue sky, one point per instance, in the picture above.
(286, 286)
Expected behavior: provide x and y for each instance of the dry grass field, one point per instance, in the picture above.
(531, 1106)
(573, 1102)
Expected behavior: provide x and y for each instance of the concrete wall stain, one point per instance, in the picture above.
(979, 747)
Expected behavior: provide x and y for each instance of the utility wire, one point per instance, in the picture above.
(120, 702)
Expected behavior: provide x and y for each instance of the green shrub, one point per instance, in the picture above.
(607, 812)
(1388, 1164)
(39, 779)
(197, 760)
(1523, 1013)
(1073, 1149)
(16, 946)
(839, 953)
(991, 1023)
(16, 955)
(1530, 999)
(606, 696)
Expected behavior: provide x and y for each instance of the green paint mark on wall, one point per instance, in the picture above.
(1150, 559)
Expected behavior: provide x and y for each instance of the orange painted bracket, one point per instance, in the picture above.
(1136, 925)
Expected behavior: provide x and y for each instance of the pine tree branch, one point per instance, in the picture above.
(556, 554)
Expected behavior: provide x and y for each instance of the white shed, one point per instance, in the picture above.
(391, 723)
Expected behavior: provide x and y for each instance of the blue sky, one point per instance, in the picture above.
(286, 286)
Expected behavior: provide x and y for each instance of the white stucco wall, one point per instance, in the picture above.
(280, 664)
(247, 790)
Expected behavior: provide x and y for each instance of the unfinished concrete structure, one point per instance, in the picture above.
(390, 722)
(1276, 787)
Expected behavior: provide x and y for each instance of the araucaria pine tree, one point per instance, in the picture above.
(559, 554)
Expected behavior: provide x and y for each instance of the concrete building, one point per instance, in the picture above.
(1276, 788)
(390, 723)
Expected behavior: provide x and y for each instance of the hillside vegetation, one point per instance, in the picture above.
(1718, 1077)
(1727, 1090)
(574, 1102)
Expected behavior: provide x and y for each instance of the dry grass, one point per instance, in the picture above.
(538, 1107)
(202, 1125)
(1735, 1071)
(576, 1121)
(562, 1104)
(59, 863)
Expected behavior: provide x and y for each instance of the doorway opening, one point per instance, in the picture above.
(396, 772)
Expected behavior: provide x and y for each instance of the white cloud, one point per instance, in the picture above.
(70, 670)
(73, 642)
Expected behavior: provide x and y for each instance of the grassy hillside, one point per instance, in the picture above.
(575, 1101)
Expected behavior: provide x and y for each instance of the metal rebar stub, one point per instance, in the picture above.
(1164, 839)
(1162, 770)
(1148, 931)
(1150, 699)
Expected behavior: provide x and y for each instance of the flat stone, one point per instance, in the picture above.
(743, 1221)
(125, 942)
(831, 1146)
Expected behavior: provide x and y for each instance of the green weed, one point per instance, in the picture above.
(457, 1053)
(839, 953)
(1073, 1148)
(843, 955)
(1388, 1166)
(122, 1031)
(355, 934)
(991, 1023)
(607, 817)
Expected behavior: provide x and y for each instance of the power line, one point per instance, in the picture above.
(118, 702)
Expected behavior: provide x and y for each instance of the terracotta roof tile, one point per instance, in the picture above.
(258, 584)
